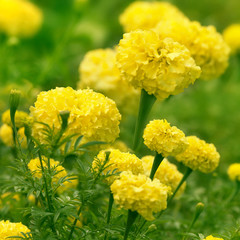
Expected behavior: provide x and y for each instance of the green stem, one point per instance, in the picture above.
(75, 222)
(131, 219)
(110, 204)
(157, 161)
(234, 193)
(198, 211)
(145, 106)
(184, 178)
(50, 208)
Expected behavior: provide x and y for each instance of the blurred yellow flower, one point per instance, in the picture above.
(35, 167)
(118, 162)
(167, 173)
(199, 155)
(99, 72)
(234, 171)
(160, 67)
(20, 118)
(205, 44)
(231, 36)
(212, 238)
(6, 135)
(8, 229)
(92, 115)
(139, 193)
(19, 18)
(146, 15)
(159, 136)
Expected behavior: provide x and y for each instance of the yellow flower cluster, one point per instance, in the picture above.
(146, 15)
(35, 167)
(234, 171)
(118, 161)
(231, 36)
(20, 118)
(159, 136)
(139, 193)
(105, 78)
(212, 238)
(161, 67)
(6, 135)
(19, 18)
(199, 155)
(167, 173)
(205, 44)
(92, 115)
(8, 229)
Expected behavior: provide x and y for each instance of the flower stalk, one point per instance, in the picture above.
(130, 220)
(145, 106)
(184, 178)
(157, 161)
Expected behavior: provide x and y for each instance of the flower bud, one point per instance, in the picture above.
(14, 100)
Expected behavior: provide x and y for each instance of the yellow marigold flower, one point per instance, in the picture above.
(118, 161)
(161, 67)
(99, 72)
(146, 15)
(8, 229)
(92, 115)
(6, 135)
(35, 167)
(199, 155)
(234, 171)
(212, 238)
(231, 36)
(139, 193)
(159, 136)
(20, 118)
(19, 18)
(167, 173)
(205, 44)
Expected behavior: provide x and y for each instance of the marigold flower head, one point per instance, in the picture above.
(212, 238)
(35, 167)
(20, 118)
(146, 15)
(118, 162)
(199, 155)
(8, 229)
(139, 193)
(161, 67)
(234, 171)
(92, 115)
(231, 36)
(167, 173)
(19, 18)
(205, 44)
(159, 136)
(99, 72)
(6, 135)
